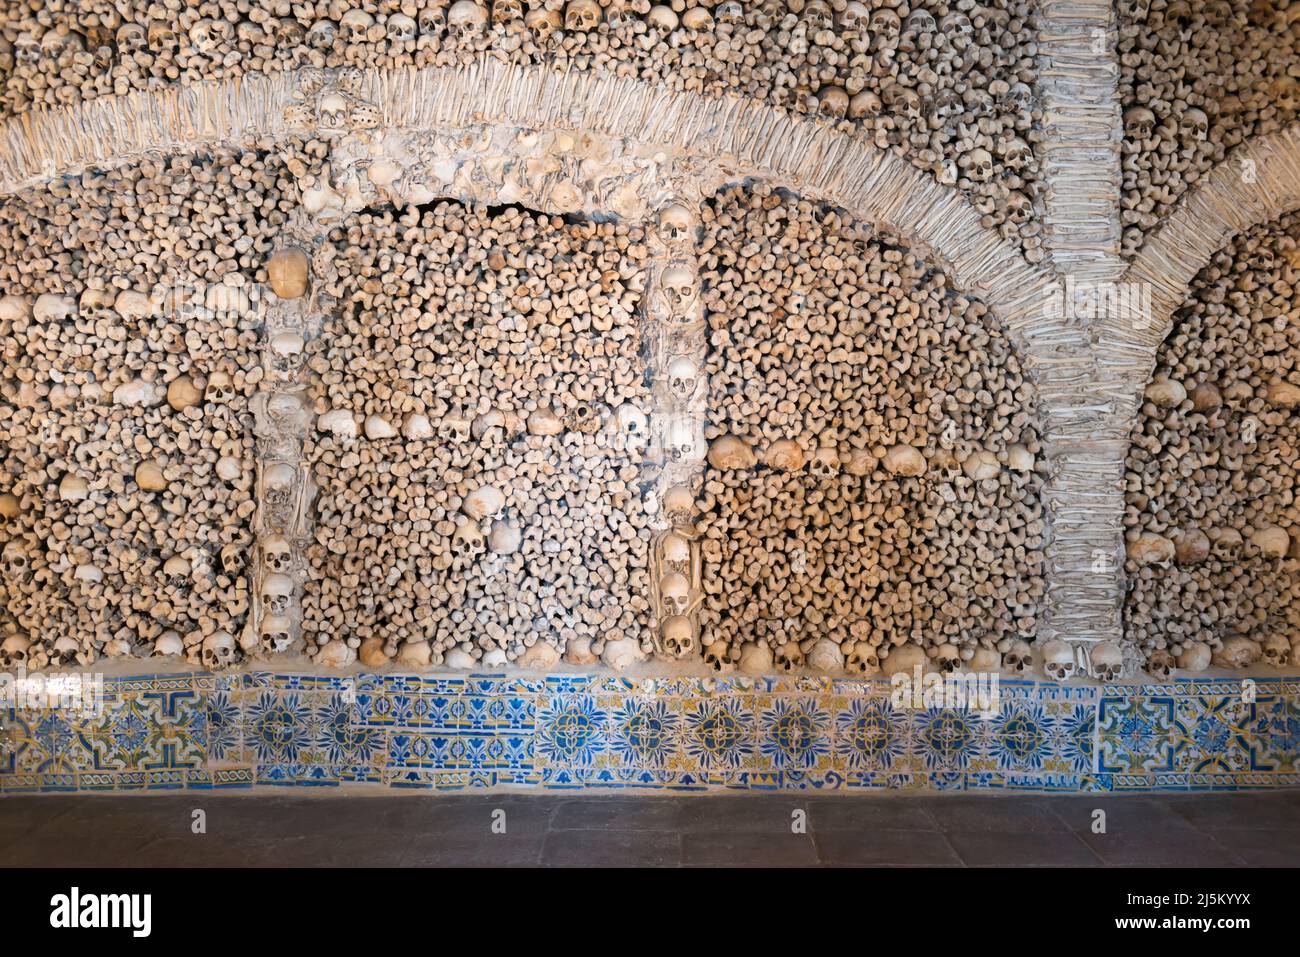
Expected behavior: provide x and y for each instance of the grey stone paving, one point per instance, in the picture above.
(270, 829)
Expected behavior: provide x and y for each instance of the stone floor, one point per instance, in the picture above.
(272, 829)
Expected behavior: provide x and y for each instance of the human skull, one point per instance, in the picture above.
(51, 309)
(675, 222)
(10, 508)
(661, 21)
(354, 26)
(683, 378)
(1160, 664)
(1018, 100)
(218, 650)
(544, 26)
(400, 28)
(817, 15)
(855, 18)
(630, 422)
(1226, 543)
(466, 20)
(1139, 123)
(731, 13)
(177, 571)
(1194, 124)
(885, 27)
(833, 102)
(1277, 651)
(219, 390)
(675, 552)
(286, 352)
(902, 102)
(287, 33)
(432, 19)
(322, 35)
(585, 418)
(1019, 207)
(131, 38)
(14, 651)
(1019, 657)
(17, 561)
(698, 20)
(1237, 651)
(277, 554)
(467, 543)
(978, 164)
(232, 558)
(277, 593)
(865, 105)
(1016, 153)
(1058, 660)
(505, 537)
(169, 645)
(946, 104)
(507, 11)
(279, 482)
(677, 635)
(339, 423)
(204, 35)
(454, 429)
(675, 593)
(679, 505)
(679, 287)
(581, 15)
(485, 502)
(863, 658)
(957, 28)
(1107, 661)
(920, 22)
(277, 633)
(161, 36)
(825, 462)
(718, 656)
(947, 658)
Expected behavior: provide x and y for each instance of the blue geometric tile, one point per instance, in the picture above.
(802, 733)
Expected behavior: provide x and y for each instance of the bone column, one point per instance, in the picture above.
(285, 489)
(675, 336)
(1084, 372)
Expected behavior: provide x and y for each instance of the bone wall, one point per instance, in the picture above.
(1211, 516)
(948, 85)
(130, 352)
(874, 478)
(1198, 79)
(479, 446)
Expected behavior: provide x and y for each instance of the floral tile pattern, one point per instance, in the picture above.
(684, 733)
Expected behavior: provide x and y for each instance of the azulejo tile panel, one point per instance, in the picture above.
(584, 731)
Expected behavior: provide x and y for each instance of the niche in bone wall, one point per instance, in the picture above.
(480, 493)
(130, 333)
(1211, 520)
(1198, 79)
(948, 85)
(875, 467)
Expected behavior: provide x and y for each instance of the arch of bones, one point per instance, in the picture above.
(492, 133)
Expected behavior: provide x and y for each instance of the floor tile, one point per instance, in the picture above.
(985, 848)
(879, 847)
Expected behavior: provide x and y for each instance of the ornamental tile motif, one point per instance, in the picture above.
(685, 733)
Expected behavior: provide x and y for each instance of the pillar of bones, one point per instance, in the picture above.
(459, 334)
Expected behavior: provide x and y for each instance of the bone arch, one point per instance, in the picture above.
(735, 136)
(1256, 184)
